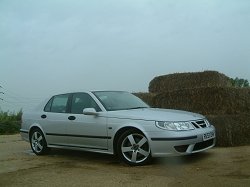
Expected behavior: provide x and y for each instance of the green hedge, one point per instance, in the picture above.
(10, 127)
(10, 123)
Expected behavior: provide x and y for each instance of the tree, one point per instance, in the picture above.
(238, 82)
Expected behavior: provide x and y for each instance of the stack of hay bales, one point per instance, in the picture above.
(209, 93)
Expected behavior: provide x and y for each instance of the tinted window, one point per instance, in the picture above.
(81, 101)
(59, 103)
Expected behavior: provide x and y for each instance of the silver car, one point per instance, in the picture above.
(115, 122)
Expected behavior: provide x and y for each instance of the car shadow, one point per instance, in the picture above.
(100, 158)
(183, 160)
(83, 156)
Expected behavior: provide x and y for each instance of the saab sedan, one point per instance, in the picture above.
(115, 122)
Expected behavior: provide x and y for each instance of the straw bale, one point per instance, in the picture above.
(231, 130)
(178, 81)
(148, 98)
(209, 100)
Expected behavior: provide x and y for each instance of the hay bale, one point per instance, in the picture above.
(148, 98)
(210, 100)
(231, 130)
(178, 81)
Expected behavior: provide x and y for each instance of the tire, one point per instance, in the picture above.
(133, 148)
(38, 143)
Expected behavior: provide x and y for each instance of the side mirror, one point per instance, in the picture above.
(90, 111)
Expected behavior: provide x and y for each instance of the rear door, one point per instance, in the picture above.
(55, 118)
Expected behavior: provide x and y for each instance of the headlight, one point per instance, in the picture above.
(174, 126)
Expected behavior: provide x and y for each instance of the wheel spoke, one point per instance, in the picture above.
(40, 138)
(40, 146)
(126, 149)
(134, 156)
(143, 152)
(36, 148)
(32, 140)
(35, 136)
(131, 139)
(142, 141)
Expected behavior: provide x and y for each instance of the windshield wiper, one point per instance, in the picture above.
(137, 107)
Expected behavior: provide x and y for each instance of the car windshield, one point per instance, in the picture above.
(115, 100)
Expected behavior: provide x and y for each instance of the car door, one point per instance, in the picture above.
(55, 118)
(86, 131)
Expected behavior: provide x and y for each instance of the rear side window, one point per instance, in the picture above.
(57, 104)
(48, 105)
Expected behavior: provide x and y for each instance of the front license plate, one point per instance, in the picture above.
(208, 136)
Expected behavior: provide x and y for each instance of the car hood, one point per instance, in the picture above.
(155, 114)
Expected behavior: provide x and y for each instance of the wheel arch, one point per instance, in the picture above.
(36, 126)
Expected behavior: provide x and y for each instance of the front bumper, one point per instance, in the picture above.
(168, 143)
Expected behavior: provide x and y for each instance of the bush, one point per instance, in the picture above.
(10, 123)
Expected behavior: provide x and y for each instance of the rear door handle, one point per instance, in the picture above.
(43, 116)
(71, 117)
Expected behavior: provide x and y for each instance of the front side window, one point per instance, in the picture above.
(59, 103)
(81, 101)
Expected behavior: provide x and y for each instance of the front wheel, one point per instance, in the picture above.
(38, 142)
(133, 148)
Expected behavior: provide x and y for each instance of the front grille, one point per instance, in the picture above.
(199, 124)
(203, 145)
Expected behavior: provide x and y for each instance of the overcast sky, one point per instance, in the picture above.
(54, 46)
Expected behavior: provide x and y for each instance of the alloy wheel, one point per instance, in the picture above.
(135, 148)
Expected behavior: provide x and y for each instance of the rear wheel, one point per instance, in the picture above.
(37, 142)
(133, 148)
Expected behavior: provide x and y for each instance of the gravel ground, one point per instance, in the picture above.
(215, 167)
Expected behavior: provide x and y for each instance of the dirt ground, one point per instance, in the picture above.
(215, 167)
